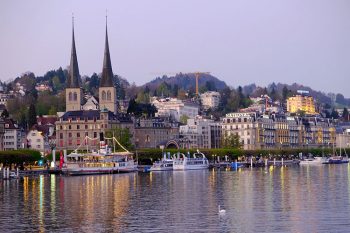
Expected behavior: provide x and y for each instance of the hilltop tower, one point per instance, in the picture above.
(107, 91)
(74, 94)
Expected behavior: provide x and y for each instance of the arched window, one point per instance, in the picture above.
(109, 95)
(70, 96)
(75, 97)
(103, 95)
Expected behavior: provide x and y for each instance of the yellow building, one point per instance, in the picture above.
(301, 103)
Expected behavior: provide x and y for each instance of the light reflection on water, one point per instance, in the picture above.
(288, 199)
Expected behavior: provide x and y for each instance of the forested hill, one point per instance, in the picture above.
(188, 81)
(335, 100)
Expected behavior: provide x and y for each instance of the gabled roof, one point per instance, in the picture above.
(45, 129)
(10, 124)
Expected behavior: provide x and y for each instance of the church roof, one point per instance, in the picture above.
(107, 73)
(73, 72)
(93, 114)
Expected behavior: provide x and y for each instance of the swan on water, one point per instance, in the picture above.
(221, 211)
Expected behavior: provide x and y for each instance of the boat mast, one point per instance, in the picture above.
(113, 143)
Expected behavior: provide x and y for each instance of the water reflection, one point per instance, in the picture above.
(287, 199)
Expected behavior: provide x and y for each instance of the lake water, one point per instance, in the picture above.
(288, 199)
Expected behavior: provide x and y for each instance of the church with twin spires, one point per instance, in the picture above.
(82, 128)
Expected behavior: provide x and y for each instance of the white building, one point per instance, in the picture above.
(210, 99)
(343, 139)
(200, 133)
(43, 87)
(175, 108)
(242, 125)
(14, 137)
(38, 137)
(4, 98)
(91, 103)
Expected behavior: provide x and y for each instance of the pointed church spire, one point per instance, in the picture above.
(73, 73)
(107, 73)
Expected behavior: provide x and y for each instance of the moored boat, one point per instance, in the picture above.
(197, 162)
(101, 162)
(165, 164)
(85, 164)
(313, 161)
(336, 160)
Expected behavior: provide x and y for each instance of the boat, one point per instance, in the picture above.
(101, 162)
(235, 165)
(313, 161)
(85, 164)
(197, 162)
(165, 164)
(335, 159)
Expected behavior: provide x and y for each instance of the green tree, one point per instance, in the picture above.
(274, 95)
(285, 93)
(175, 90)
(31, 116)
(123, 136)
(142, 97)
(164, 89)
(52, 110)
(5, 114)
(231, 141)
(345, 115)
(183, 119)
(334, 114)
(210, 85)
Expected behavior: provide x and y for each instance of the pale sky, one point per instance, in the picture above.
(239, 41)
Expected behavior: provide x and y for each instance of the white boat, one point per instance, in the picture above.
(335, 159)
(101, 162)
(313, 161)
(165, 164)
(197, 162)
(85, 164)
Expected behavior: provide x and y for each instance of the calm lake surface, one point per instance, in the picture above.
(288, 199)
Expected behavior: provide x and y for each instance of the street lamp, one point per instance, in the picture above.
(162, 148)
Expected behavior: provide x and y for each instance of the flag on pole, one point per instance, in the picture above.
(61, 159)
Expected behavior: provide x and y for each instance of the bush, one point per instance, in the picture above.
(19, 156)
(155, 154)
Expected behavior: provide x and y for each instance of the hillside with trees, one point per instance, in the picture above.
(181, 86)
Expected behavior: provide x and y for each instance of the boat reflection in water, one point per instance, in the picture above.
(281, 199)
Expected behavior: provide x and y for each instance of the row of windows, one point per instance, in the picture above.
(72, 96)
(237, 127)
(236, 120)
(107, 95)
(78, 142)
(78, 127)
(70, 135)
